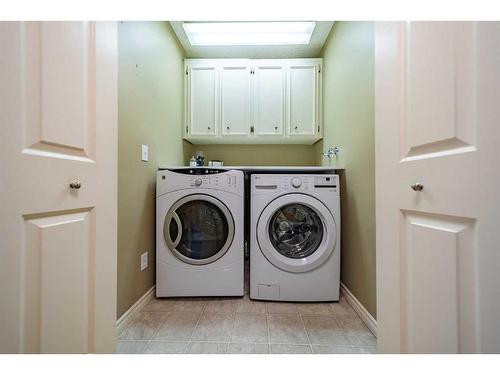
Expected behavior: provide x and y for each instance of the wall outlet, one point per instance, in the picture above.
(144, 261)
(144, 153)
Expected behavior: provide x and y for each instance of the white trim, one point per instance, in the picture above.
(141, 302)
(365, 316)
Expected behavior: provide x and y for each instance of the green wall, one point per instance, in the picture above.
(262, 155)
(349, 124)
(150, 85)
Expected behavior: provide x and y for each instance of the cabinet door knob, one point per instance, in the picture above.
(276, 127)
(417, 186)
(296, 127)
(209, 128)
(227, 127)
(75, 185)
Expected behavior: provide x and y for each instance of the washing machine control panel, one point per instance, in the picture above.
(296, 183)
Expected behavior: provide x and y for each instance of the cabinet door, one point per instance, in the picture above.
(269, 96)
(303, 98)
(235, 97)
(201, 115)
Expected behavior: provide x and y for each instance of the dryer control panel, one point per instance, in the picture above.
(305, 183)
(214, 180)
(173, 180)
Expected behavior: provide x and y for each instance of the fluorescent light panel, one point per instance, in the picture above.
(248, 33)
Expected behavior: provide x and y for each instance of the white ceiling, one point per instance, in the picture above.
(313, 49)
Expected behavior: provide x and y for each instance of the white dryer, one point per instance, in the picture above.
(199, 232)
(295, 237)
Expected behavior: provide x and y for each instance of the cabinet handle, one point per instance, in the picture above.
(209, 128)
(296, 127)
(227, 127)
(251, 129)
(276, 127)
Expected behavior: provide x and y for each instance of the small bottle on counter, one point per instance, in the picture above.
(192, 162)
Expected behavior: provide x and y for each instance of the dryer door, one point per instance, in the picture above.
(198, 229)
(296, 232)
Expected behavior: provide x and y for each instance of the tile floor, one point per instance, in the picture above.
(244, 326)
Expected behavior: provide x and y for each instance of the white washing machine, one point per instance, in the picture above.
(295, 237)
(199, 232)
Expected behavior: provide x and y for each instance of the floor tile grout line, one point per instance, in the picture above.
(307, 333)
(345, 331)
(233, 314)
(195, 326)
(154, 334)
(268, 333)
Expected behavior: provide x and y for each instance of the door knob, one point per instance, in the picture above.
(417, 186)
(75, 185)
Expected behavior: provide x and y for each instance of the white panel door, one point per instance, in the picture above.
(303, 92)
(269, 97)
(235, 99)
(58, 100)
(202, 100)
(437, 141)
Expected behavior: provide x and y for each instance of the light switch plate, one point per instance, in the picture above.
(145, 153)
(144, 261)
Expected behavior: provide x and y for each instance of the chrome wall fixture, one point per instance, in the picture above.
(331, 151)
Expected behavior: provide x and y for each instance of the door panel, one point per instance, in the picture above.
(235, 91)
(58, 270)
(303, 99)
(59, 92)
(202, 100)
(269, 89)
(438, 285)
(440, 89)
(436, 124)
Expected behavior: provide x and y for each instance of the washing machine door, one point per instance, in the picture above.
(296, 232)
(198, 229)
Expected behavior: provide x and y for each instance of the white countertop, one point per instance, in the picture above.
(260, 168)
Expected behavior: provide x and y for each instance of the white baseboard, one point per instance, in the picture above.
(148, 296)
(365, 316)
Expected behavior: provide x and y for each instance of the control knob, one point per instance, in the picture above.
(296, 182)
(197, 182)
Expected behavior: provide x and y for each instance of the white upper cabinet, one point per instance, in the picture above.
(235, 94)
(269, 97)
(303, 98)
(243, 101)
(201, 100)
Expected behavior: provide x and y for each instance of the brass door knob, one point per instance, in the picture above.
(417, 186)
(75, 185)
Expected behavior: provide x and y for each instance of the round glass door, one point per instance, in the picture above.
(198, 229)
(296, 232)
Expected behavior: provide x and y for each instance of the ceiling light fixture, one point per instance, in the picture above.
(248, 33)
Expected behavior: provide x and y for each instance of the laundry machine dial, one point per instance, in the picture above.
(296, 182)
(198, 182)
